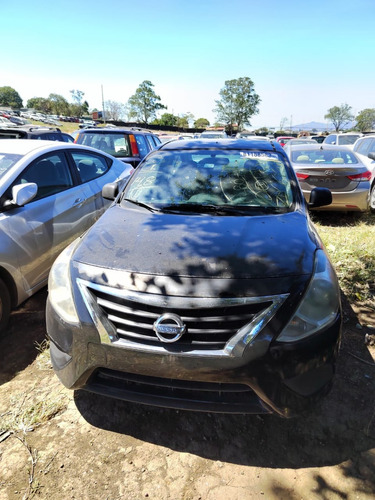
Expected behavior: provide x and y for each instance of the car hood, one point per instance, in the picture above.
(202, 246)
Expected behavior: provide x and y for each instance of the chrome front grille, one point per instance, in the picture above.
(208, 327)
(211, 323)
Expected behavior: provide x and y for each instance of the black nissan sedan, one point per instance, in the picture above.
(204, 286)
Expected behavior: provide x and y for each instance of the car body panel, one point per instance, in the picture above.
(34, 234)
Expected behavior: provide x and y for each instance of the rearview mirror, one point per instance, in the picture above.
(371, 156)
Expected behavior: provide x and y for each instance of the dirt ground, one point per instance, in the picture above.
(76, 445)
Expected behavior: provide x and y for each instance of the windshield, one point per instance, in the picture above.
(322, 157)
(243, 179)
(7, 161)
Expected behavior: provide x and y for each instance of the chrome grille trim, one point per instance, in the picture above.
(234, 346)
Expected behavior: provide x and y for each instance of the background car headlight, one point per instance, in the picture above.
(320, 304)
(60, 288)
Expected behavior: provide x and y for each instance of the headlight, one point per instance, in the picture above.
(320, 304)
(60, 288)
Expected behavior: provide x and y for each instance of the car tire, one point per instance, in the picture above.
(4, 306)
(372, 199)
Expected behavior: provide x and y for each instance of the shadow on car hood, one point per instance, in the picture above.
(204, 246)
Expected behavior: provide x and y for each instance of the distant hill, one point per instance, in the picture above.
(319, 126)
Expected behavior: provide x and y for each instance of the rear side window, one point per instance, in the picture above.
(142, 145)
(89, 166)
(363, 146)
(331, 139)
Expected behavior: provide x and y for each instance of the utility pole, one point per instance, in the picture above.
(103, 110)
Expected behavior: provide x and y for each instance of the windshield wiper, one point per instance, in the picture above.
(219, 209)
(140, 204)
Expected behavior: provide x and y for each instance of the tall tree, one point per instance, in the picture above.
(144, 103)
(339, 116)
(59, 105)
(366, 120)
(238, 103)
(201, 123)
(10, 97)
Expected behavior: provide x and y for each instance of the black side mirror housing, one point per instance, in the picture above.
(371, 156)
(320, 197)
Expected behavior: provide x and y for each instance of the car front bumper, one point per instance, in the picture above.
(269, 377)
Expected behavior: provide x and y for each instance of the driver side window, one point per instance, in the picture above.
(50, 173)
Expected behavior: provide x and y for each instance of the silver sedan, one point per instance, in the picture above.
(336, 168)
(50, 193)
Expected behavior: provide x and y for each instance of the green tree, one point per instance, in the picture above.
(201, 123)
(168, 120)
(59, 105)
(339, 116)
(79, 107)
(144, 103)
(238, 103)
(10, 97)
(366, 120)
(39, 104)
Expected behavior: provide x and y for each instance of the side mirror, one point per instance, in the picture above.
(319, 197)
(371, 156)
(22, 194)
(110, 191)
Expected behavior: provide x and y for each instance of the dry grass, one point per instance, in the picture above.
(350, 242)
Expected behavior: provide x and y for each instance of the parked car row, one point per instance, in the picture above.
(35, 132)
(172, 283)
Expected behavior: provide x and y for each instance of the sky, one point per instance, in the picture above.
(303, 57)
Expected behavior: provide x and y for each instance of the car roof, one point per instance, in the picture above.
(100, 130)
(23, 147)
(224, 144)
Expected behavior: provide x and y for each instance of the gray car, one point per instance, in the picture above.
(50, 193)
(336, 168)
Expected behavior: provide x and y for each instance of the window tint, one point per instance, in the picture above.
(51, 173)
(142, 146)
(372, 147)
(89, 166)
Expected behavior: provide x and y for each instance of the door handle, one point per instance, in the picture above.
(78, 201)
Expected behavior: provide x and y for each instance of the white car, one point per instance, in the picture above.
(50, 193)
(342, 139)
